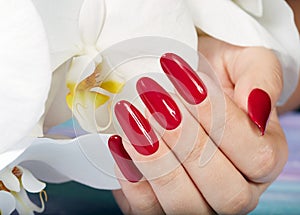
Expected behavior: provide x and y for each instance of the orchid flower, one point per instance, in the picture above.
(78, 34)
(24, 85)
(14, 185)
(25, 77)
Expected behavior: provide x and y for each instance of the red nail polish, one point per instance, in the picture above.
(123, 160)
(184, 78)
(159, 103)
(259, 108)
(137, 128)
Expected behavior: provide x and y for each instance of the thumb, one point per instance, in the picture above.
(257, 78)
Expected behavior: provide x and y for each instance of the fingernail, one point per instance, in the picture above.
(123, 160)
(184, 78)
(137, 128)
(259, 108)
(160, 104)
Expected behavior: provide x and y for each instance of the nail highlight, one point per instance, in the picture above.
(123, 160)
(137, 128)
(184, 78)
(160, 104)
(259, 108)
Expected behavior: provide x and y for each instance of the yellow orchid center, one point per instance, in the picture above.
(82, 92)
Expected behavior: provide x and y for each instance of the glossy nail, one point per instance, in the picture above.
(259, 108)
(184, 78)
(160, 104)
(123, 160)
(137, 128)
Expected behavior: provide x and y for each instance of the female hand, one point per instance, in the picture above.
(194, 169)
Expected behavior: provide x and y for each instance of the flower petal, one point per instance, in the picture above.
(7, 203)
(9, 156)
(60, 18)
(30, 183)
(72, 160)
(135, 18)
(91, 20)
(10, 181)
(24, 70)
(25, 206)
(254, 7)
(57, 110)
(231, 24)
(82, 67)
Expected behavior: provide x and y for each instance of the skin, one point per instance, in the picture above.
(228, 182)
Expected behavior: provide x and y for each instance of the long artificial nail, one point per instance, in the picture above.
(123, 160)
(184, 78)
(159, 103)
(137, 128)
(259, 108)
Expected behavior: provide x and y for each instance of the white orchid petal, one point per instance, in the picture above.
(81, 67)
(9, 156)
(7, 203)
(10, 181)
(254, 7)
(60, 18)
(58, 58)
(24, 70)
(45, 172)
(85, 112)
(24, 205)
(72, 159)
(91, 20)
(135, 18)
(30, 183)
(229, 23)
(57, 110)
(284, 31)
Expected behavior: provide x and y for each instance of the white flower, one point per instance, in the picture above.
(25, 76)
(79, 30)
(14, 184)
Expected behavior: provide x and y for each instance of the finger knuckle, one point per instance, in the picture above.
(144, 205)
(167, 181)
(266, 161)
(197, 151)
(240, 203)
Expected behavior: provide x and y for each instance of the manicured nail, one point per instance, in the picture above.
(160, 104)
(184, 78)
(123, 160)
(259, 108)
(137, 128)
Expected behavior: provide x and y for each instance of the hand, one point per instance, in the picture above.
(193, 169)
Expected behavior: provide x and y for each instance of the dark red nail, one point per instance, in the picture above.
(137, 128)
(184, 78)
(123, 160)
(259, 108)
(159, 103)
